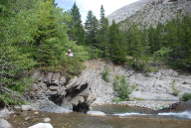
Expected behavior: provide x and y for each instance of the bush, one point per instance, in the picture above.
(105, 75)
(175, 91)
(186, 97)
(122, 87)
(9, 100)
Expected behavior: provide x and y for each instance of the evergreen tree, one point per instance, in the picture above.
(76, 31)
(91, 26)
(102, 35)
(117, 51)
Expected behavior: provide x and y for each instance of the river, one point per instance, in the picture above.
(106, 116)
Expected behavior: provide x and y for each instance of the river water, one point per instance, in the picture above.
(107, 116)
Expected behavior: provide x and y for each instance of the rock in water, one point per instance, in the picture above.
(47, 119)
(26, 108)
(4, 124)
(42, 125)
(96, 113)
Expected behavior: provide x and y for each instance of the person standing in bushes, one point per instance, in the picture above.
(70, 53)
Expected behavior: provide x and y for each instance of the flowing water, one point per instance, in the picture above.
(107, 116)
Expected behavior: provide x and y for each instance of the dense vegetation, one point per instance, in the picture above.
(36, 34)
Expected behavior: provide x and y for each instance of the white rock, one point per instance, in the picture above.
(4, 124)
(96, 113)
(42, 125)
(47, 119)
(26, 107)
(36, 113)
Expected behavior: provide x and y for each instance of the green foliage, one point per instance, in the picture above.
(34, 35)
(102, 35)
(178, 38)
(117, 100)
(105, 75)
(175, 91)
(122, 87)
(162, 54)
(91, 26)
(76, 31)
(9, 100)
(116, 47)
(186, 97)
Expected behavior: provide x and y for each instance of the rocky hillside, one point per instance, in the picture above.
(151, 12)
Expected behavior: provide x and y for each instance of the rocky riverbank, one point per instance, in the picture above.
(54, 92)
(155, 90)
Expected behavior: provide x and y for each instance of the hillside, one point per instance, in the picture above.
(151, 12)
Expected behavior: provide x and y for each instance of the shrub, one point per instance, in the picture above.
(175, 91)
(105, 75)
(9, 100)
(186, 97)
(122, 87)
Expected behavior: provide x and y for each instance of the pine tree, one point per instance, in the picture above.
(117, 51)
(102, 36)
(91, 26)
(76, 31)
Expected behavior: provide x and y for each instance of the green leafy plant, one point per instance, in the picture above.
(175, 91)
(122, 87)
(9, 100)
(105, 75)
(186, 97)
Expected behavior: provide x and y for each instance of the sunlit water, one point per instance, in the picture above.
(107, 116)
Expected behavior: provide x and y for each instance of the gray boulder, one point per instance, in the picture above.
(4, 124)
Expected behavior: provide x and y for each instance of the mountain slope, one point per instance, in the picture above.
(151, 12)
(127, 11)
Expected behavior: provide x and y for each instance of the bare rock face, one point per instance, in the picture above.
(151, 12)
(53, 88)
(127, 11)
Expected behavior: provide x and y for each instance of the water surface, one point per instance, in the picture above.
(110, 120)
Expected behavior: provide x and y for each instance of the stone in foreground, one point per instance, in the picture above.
(4, 124)
(42, 125)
